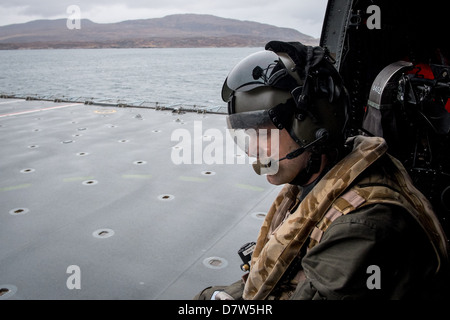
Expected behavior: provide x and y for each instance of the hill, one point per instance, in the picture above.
(180, 30)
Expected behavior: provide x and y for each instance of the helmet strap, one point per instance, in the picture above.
(313, 166)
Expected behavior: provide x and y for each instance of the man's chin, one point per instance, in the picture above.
(274, 179)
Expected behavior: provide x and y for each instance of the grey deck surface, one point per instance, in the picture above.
(69, 170)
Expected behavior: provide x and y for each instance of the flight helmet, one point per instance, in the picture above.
(292, 86)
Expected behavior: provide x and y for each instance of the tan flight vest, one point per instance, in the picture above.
(344, 188)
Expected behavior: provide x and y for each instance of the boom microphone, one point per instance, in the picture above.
(271, 165)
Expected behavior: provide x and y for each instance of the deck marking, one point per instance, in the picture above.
(109, 111)
(37, 110)
(21, 186)
(249, 187)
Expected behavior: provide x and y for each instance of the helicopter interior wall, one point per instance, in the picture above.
(415, 32)
(411, 31)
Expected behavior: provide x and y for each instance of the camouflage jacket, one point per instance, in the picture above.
(368, 180)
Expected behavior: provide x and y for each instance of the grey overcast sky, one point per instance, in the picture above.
(305, 16)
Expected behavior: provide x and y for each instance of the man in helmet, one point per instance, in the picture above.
(348, 224)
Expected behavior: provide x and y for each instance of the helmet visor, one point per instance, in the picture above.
(263, 68)
(260, 143)
(258, 119)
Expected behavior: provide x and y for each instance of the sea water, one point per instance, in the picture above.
(192, 76)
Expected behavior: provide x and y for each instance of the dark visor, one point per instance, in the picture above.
(249, 120)
(263, 68)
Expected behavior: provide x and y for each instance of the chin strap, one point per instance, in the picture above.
(314, 163)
